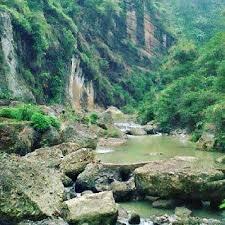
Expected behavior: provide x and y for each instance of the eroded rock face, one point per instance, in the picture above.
(181, 177)
(95, 209)
(28, 190)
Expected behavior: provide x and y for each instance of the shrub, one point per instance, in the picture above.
(40, 122)
(32, 113)
(91, 119)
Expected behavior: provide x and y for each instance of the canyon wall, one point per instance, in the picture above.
(62, 57)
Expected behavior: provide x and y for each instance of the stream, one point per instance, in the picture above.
(156, 147)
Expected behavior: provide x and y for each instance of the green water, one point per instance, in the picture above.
(145, 210)
(147, 148)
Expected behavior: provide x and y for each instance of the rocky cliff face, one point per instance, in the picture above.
(64, 56)
(10, 78)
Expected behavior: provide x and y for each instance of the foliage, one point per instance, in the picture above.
(27, 112)
(197, 20)
(91, 118)
(190, 90)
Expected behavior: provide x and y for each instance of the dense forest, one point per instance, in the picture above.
(188, 89)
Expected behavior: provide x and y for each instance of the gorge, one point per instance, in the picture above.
(112, 112)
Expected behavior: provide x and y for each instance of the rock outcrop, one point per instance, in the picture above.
(95, 209)
(11, 81)
(181, 177)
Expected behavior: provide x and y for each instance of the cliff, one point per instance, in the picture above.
(82, 52)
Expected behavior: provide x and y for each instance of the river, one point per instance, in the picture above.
(156, 147)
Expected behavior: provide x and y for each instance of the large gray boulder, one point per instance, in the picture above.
(66, 158)
(28, 190)
(181, 177)
(94, 209)
(16, 137)
(80, 134)
(74, 163)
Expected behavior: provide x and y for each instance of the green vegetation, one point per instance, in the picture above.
(31, 113)
(197, 20)
(189, 91)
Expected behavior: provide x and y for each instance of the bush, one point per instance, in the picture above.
(91, 119)
(32, 113)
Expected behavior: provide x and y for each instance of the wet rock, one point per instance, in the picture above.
(67, 182)
(80, 134)
(134, 219)
(182, 212)
(151, 198)
(164, 204)
(28, 190)
(86, 193)
(123, 191)
(138, 131)
(70, 193)
(111, 142)
(181, 177)
(74, 164)
(45, 222)
(17, 137)
(95, 209)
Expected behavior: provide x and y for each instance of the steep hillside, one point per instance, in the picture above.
(84, 52)
(193, 19)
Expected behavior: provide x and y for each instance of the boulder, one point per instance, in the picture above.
(104, 177)
(182, 212)
(134, 219)
(17, 137)
(123, 191)
(152, 128)
(164, 204)
(71, 164)
(207, 141)
(221, 160)
(45, 222)
(50, 157)
(80, 134)
(105, 120)
(74, 163)
(50, 137)
(94, 209)
(28, 190)
(181, 177)
(137, 131)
